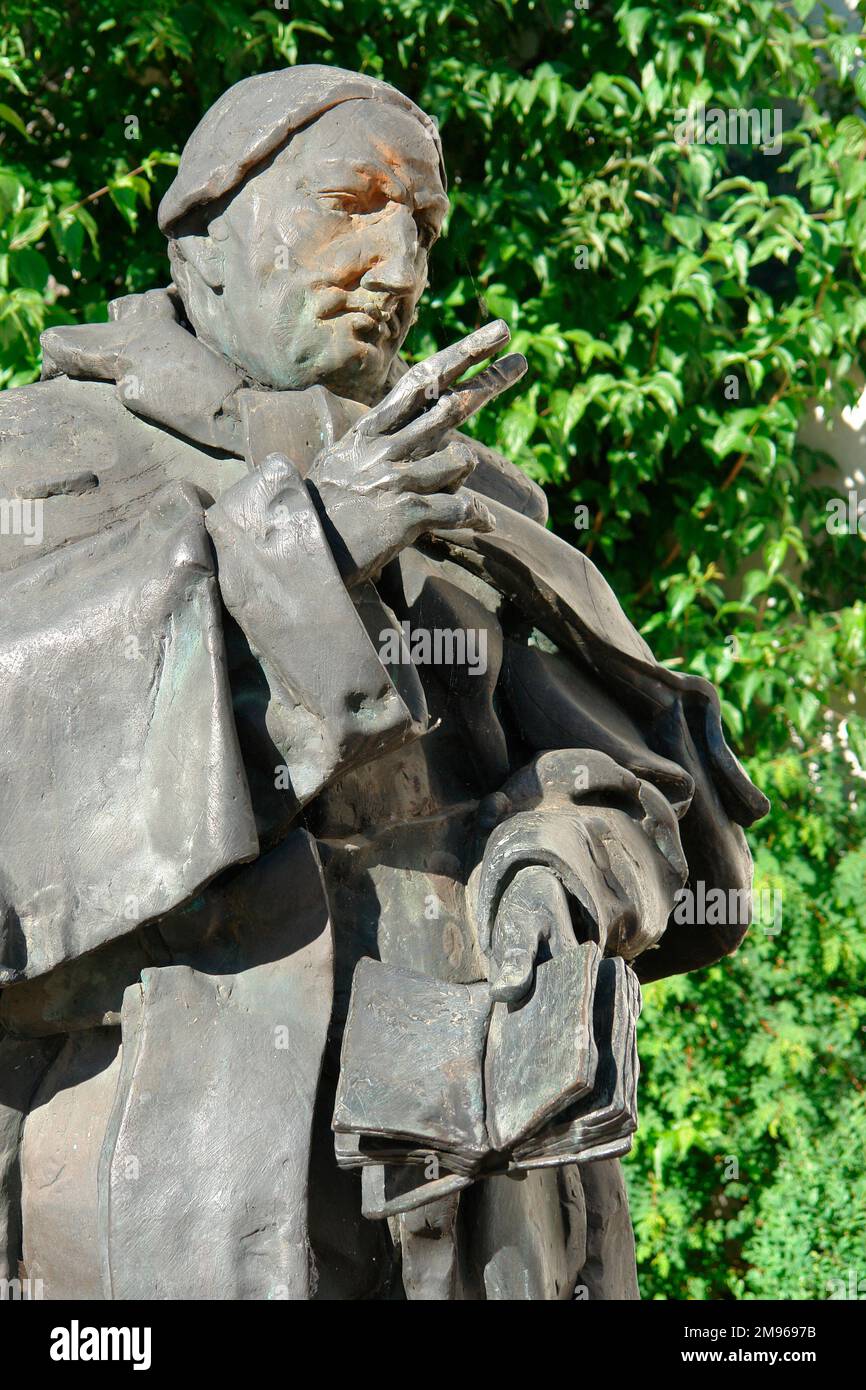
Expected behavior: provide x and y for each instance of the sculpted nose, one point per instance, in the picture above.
(394, 267)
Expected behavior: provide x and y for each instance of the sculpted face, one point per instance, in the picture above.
(311, 272)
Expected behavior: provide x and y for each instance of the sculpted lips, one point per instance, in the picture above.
(384, 317)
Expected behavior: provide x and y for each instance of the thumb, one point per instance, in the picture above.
(513, 976)
(516, 936)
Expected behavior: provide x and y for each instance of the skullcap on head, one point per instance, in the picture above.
(255, 117)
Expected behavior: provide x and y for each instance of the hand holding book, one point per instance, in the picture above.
(536, 1066)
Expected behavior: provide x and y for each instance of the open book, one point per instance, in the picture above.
(432, 1075)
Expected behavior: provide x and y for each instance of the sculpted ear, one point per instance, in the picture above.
(203, 254)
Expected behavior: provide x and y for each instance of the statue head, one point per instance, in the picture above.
(300, 221)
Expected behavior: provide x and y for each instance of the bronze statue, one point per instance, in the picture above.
(343, 808)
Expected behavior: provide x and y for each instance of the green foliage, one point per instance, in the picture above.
(704, 263)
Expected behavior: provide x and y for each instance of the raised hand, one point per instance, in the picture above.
(393, 475)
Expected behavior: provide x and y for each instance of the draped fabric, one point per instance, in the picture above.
(177, 688)
(112, 648)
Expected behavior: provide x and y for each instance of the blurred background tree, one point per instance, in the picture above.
(684, 308)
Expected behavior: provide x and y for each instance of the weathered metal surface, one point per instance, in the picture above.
(285, 653)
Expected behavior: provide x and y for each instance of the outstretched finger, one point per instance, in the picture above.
(449, 511)
(426, 381)
(425, 435)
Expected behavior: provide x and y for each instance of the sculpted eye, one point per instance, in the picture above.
(355, 204)
(341, 202)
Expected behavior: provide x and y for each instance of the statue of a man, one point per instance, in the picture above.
(297, 688)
